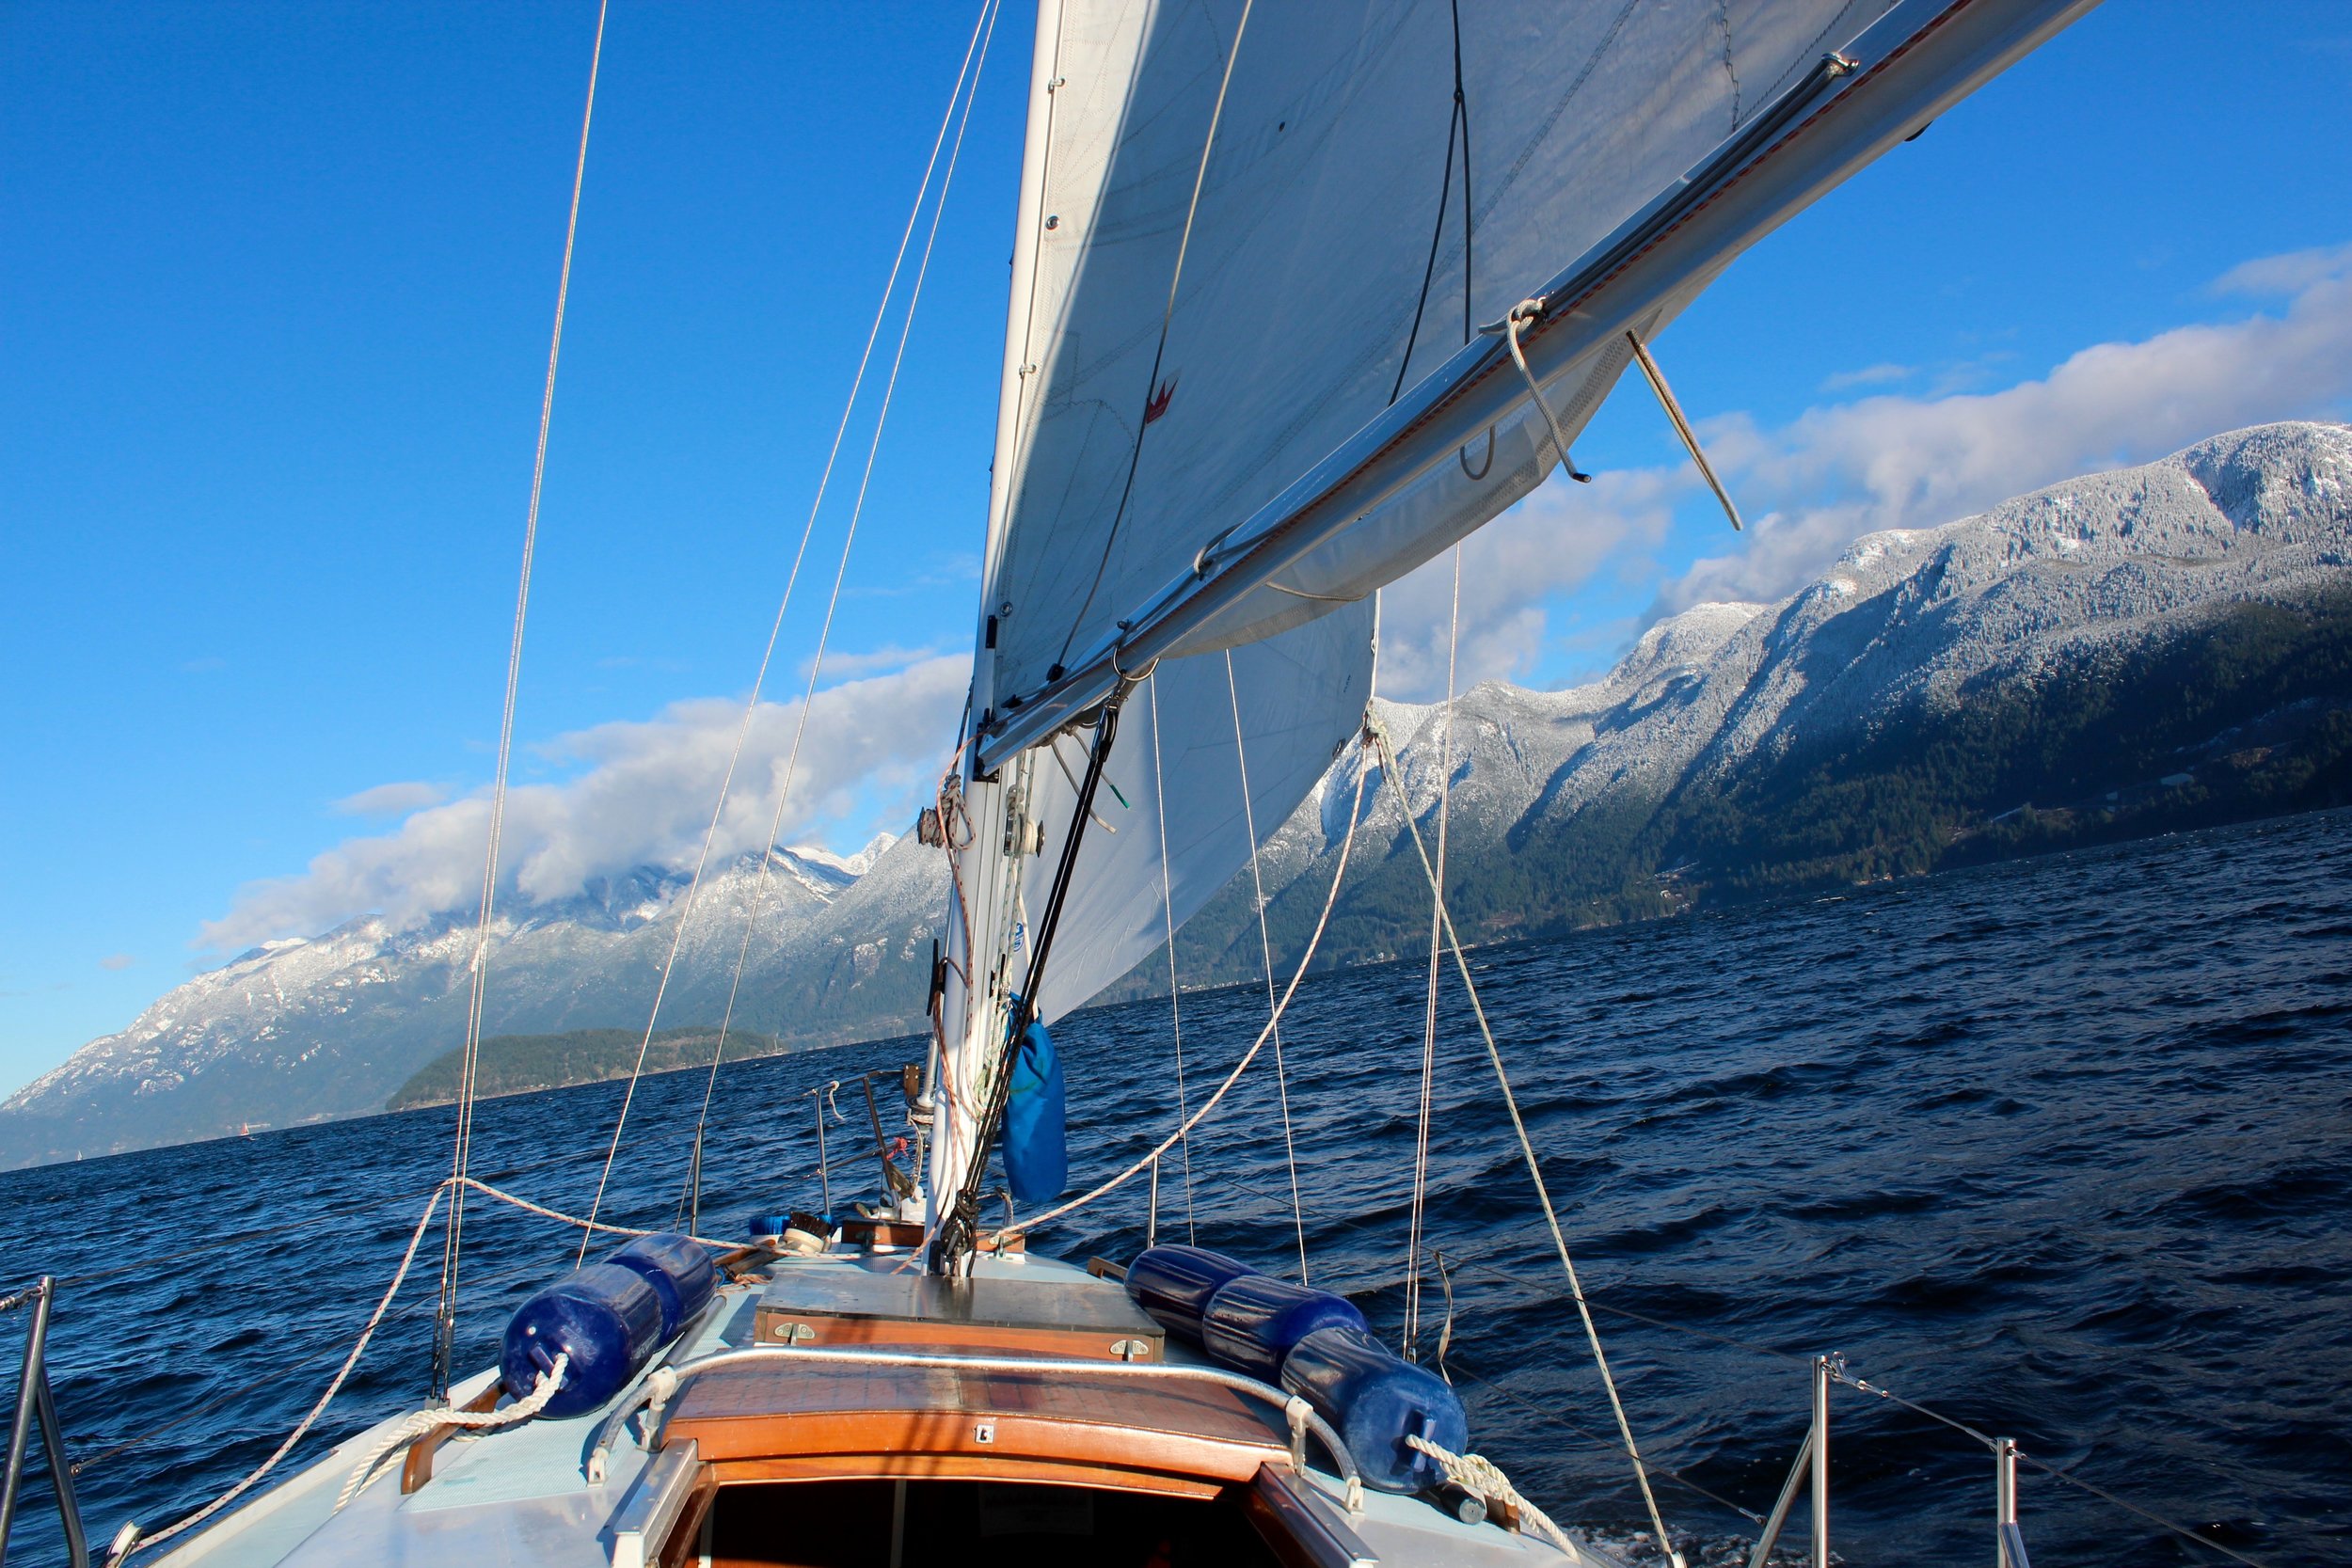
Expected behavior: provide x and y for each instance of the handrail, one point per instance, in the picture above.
(35, 1403)
(661, 1386)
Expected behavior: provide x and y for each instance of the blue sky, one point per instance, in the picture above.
(275, 285)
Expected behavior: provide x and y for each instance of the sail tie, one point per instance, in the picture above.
(1525, 311)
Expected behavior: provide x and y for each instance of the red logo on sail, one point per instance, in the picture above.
(1158, 404)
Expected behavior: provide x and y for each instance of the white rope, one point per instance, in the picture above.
(1476, 1473)
(1534, 1167)
(415, 1426)
(751, 706)
(1527, 310)
(1348, 845)
(1429, 1014)
(594, 1227)
(130, 1539)
(1265, 950)
(462, 1154)
(1167, 910)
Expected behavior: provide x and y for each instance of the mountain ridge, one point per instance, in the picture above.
(2091, 643)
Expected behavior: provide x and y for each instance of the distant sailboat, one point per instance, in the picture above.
(1301, 296)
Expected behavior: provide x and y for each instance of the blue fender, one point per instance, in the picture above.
(1037, 1153)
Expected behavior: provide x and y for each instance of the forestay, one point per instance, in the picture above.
(1302, 698)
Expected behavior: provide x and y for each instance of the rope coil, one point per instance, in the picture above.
(1477, 1474)
(477, 1421)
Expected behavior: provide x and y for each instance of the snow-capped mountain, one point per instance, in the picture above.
(2129, 652)
(297, 1031)
(2149, 648)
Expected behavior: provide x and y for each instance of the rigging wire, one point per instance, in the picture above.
(1159, 353)
(983, 34)
(958, 1227)
(1314, 939)
(1535, 1166)
(751, 708)
(1265, 949)
(131, 1539)
(461, 1154)
(1175, 991)
(1429, 1013)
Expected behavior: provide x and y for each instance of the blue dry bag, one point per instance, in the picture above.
(1037, 1160)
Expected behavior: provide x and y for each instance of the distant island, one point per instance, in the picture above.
(525, 1064)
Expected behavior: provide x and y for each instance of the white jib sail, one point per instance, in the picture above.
(1301, 699)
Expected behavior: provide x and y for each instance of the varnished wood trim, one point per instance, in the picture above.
(418, 1467)
(941, 1433)
(907, 1467)
(773, 1323)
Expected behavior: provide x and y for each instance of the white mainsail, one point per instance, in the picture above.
(1622, 151)
(1237, 396)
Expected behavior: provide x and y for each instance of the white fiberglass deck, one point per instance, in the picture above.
(521, 1496)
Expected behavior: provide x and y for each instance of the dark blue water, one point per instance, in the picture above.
(2062, 1148)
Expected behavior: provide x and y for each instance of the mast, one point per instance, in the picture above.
(973, 1002)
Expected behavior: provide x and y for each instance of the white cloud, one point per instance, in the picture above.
(1869, 375)
(644, 797)
(882, 660)
(1894, 462)
(391, 800)
(2290, 273)
(1549, 542)
(114, 963)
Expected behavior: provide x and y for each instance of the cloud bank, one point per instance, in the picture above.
(643, 790)
(643, 796)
